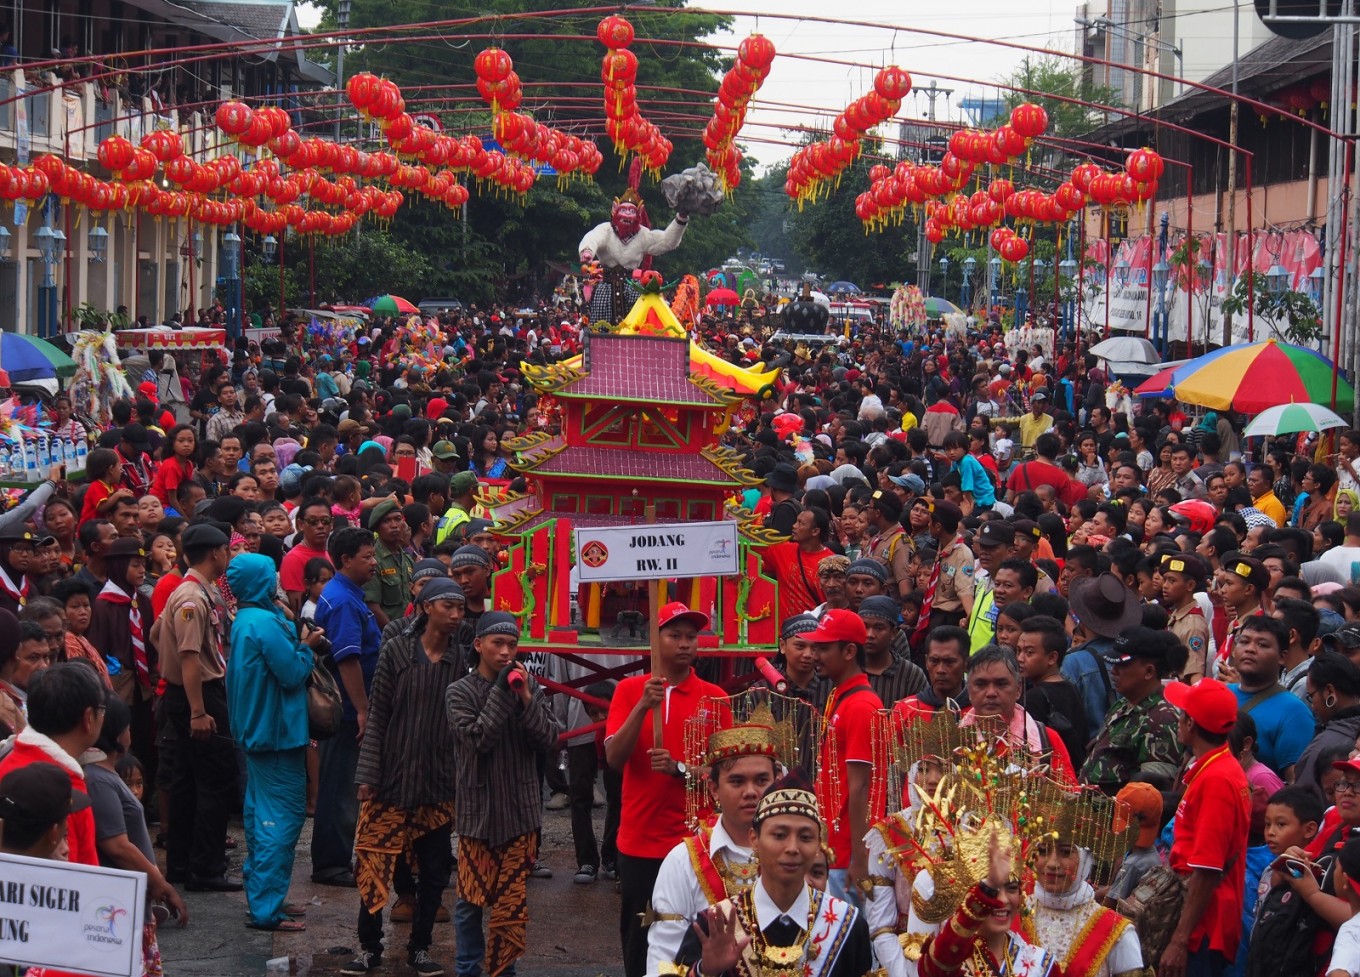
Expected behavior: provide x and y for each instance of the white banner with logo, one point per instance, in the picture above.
(657, 551)
(79, 918)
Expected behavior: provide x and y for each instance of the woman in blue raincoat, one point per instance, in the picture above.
(267, 699)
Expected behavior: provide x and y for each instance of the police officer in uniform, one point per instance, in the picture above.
(386, 594)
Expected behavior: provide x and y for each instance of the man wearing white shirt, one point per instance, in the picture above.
(715, 863)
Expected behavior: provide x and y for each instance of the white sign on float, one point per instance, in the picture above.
(79, 918)
(656, 551)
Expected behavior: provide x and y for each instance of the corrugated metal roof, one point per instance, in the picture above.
(264, 20)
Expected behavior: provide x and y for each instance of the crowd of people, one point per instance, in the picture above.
(988, 571)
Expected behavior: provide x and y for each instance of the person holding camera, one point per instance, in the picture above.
(267, 698)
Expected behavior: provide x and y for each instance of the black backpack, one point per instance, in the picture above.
(1286, 925)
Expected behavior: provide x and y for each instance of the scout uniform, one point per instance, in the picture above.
(956, 578)
(202, 789)
(390, 587)
(1189, 623)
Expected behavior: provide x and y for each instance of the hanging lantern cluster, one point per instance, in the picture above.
(814, 169)
(623, 120)
(739, 86)
(521, 136)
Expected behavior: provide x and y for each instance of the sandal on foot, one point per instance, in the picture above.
(294, 909)
(282, 926)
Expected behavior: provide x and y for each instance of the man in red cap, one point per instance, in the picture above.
(1212, 821)
(652, 820)
(843, 785)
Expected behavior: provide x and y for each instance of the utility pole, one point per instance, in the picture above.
(1231, 257)
(923, 250)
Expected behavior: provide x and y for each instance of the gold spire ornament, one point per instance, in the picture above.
(756, 722)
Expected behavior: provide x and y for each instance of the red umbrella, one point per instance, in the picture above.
(722, 296)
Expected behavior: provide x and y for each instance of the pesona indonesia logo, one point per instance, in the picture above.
(108, 926)
(719, 549)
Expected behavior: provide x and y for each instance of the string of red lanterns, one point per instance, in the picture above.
(624, 123)
(814, 168)
(739, 86)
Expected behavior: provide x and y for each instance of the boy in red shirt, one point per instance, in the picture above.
(652, 821)
(1212, 822)
(843, 786)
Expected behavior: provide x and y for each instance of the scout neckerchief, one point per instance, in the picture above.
(923, 619)
(115, 595)
(19, 593)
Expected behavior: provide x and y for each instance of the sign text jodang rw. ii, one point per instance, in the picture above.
(657, 551)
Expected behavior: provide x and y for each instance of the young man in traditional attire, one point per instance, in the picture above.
(715, 862)
(780, 926)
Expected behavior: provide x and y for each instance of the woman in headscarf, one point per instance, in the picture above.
(1064, 917)
(895, 871)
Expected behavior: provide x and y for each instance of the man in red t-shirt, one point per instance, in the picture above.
(1026, 476)
(793, 564)
(65, 716)
(652, 820)
(1210, 848)
(314, 521)
(843, 786)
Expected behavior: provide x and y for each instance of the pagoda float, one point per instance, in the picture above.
(641, 414)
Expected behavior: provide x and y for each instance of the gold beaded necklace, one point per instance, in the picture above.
(777, 961)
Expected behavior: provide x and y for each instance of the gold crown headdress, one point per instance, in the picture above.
(990, 789)
(757, 722)
(1087, 819)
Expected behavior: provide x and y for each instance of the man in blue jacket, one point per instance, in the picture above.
(267, 701)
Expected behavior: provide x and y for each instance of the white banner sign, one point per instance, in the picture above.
(79, 918)
(657, 551)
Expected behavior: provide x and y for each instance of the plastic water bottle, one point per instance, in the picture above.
(30, 462)
(82, 452)
(4, 463)
(68, 453)
(44, 453)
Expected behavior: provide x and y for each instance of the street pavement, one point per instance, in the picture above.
(573, 929)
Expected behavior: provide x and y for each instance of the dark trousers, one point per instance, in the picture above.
(582, 765)
(337, 802)
(1205, 962)
(202, 784)
(433, 854)
(637, 878)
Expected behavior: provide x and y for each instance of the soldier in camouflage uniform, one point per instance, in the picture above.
(1138, 739)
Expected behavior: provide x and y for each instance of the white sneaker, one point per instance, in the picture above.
(558, 802)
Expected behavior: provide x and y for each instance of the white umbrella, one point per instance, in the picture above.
(1126, 350)
(1292, 418)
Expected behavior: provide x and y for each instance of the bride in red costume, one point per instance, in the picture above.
(978, 939)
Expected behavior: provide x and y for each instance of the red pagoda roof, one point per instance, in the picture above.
(652, 369)
(628, 463)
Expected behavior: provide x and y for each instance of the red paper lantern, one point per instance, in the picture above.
(1084, 175)
(1014, 248)
(163, 144)
(1144, 165)
(614, 32)
(362, 89)
(619, 67)
(1029, 120)
(1069, 197)
(892, 83)
(115, 153)
(1010, 141)
(757, 51)
(493, 64)
(233, 117)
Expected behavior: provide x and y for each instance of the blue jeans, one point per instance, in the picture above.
(275, 807)
(337, 802)
(467, 927)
